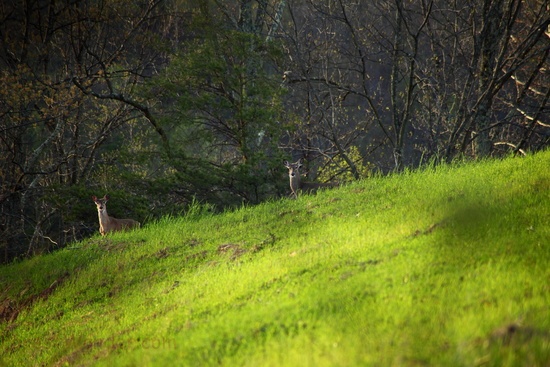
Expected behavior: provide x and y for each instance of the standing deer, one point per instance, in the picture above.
(297, 185)
(109, 224)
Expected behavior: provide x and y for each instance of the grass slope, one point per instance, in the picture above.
(447, 266)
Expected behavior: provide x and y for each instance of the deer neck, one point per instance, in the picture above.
(295, 182)
(103, 216)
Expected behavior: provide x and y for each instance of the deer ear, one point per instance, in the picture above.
(286, 163)
(94, 198)
(106, 197)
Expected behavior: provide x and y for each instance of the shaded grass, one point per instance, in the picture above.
(446, 266)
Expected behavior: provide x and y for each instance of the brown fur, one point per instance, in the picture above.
(109, 224)
(296, 183)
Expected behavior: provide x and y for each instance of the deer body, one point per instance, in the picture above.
(297, 185)
(109, 224)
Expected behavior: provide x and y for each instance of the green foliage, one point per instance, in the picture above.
(223, 117)
(224, 95)
(446, 266)
(337, 168)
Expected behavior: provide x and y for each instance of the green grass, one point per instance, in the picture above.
(446, 266)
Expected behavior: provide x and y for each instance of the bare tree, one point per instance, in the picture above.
(433, 79)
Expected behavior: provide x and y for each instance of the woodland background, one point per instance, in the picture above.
(164, 104)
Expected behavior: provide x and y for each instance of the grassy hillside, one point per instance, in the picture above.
(448, 266)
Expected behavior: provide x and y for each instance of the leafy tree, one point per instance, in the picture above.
(337, 168)
(224, 104)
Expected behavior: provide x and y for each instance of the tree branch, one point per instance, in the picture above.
(138, 106)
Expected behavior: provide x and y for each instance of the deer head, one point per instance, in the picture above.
(101, 203)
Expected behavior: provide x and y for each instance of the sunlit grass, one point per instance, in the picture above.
(446, 266)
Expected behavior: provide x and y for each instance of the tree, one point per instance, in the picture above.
(503, 46)
(433, 79)
(68, 71)
(326, 100)
(223, 104)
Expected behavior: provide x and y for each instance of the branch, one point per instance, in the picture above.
(287, 79)
(138, 106)
(516, 149)
(276, 21)
(534, 121)
(32, 160)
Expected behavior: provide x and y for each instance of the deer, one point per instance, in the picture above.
(109, 224)
(297, 185)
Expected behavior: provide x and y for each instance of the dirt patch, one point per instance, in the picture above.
(428, 230)
(196, 256)
(162, 253)
(516, 333)
(76, 354)
(235, 250)
(269, 241)
(10, 309)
